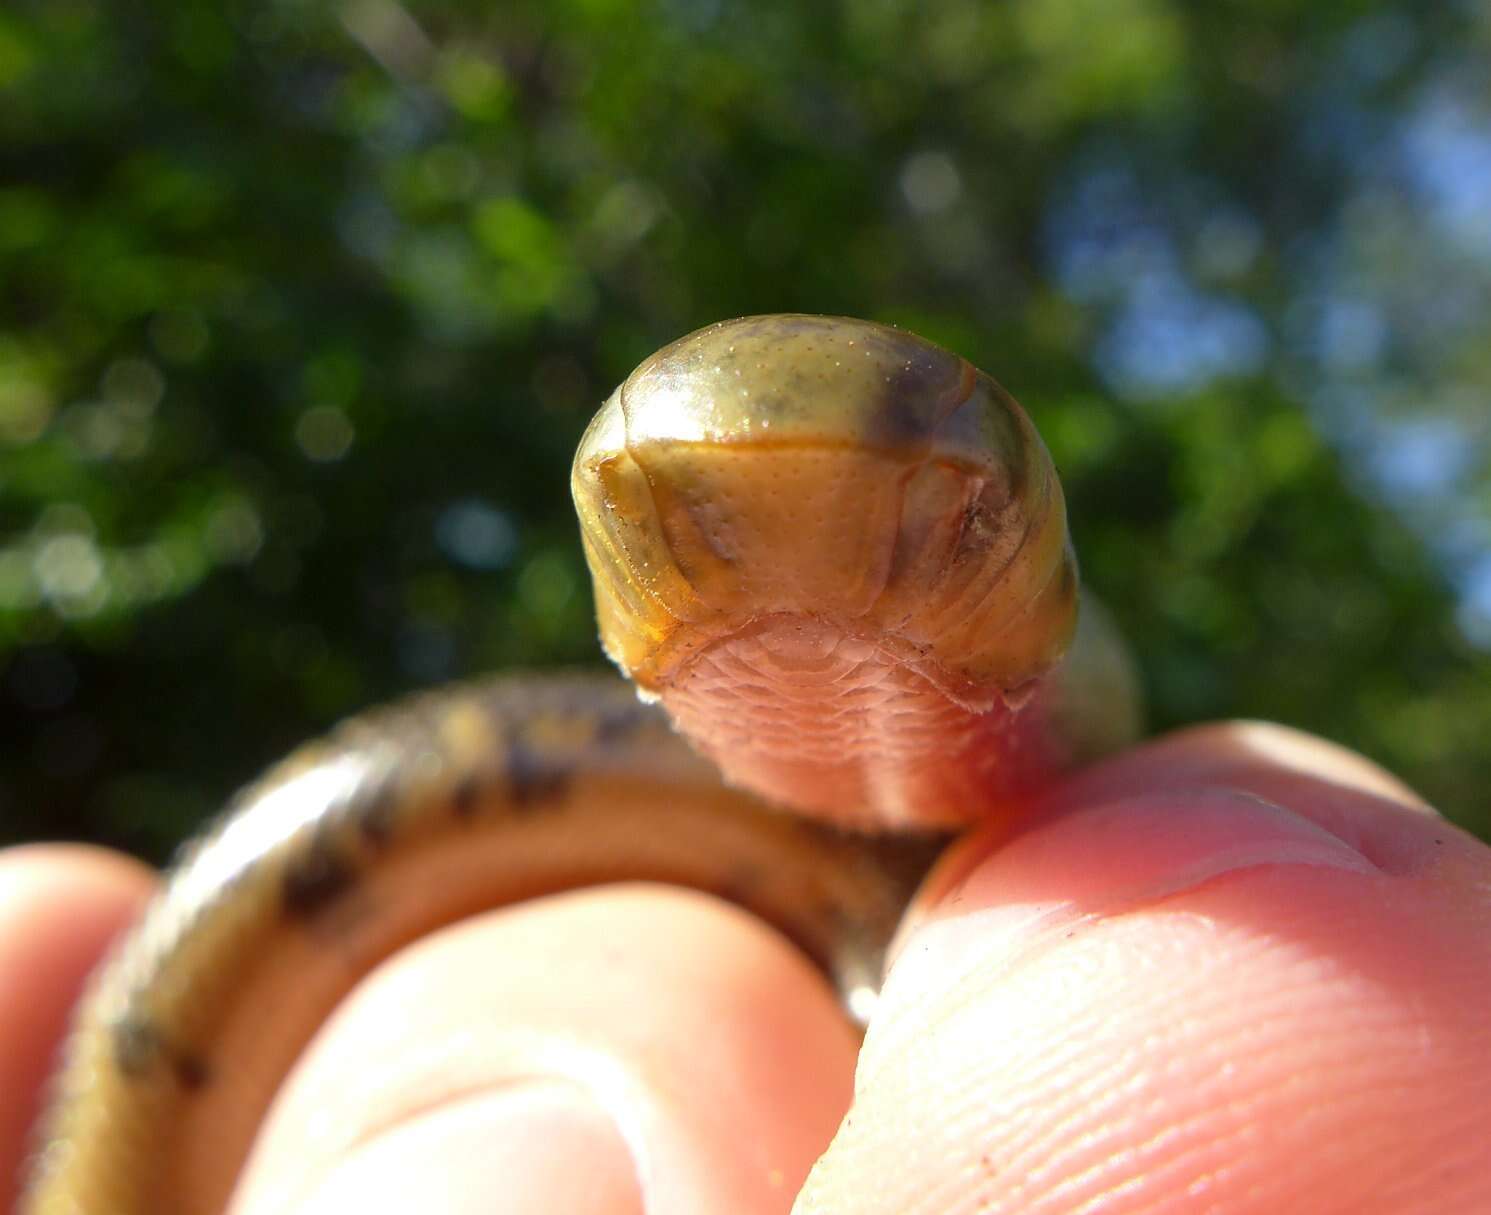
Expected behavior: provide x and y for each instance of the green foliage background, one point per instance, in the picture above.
(304, 305)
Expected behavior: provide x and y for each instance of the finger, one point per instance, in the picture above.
(1235, 971)
(607, 1051)
(60, 906)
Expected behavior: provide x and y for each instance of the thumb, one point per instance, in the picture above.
(1239, 970)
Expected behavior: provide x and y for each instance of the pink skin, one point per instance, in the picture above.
(1236, 970)
(59, 908)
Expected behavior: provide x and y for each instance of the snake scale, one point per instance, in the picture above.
(836, 553)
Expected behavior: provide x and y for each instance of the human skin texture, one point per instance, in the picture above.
(1234, 970)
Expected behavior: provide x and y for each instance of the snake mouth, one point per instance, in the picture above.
(782, 482)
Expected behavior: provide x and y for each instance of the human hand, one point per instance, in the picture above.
(1235, 970)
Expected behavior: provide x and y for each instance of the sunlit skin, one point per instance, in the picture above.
(1283, 1009)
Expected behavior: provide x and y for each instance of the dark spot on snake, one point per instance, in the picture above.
(617, 725)
(137, 1046)
(192, 1071)
(375, 815)
(741, 884)
(314, 879)
(902, 417)
(464, 797)
(897, 421)
(532, 777)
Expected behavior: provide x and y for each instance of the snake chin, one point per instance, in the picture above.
(857, 727)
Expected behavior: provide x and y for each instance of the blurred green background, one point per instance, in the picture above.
(303, 306)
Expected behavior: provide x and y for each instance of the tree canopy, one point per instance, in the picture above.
(303, 307)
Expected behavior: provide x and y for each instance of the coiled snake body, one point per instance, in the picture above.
(836, 553)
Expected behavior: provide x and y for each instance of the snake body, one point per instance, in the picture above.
(838, 556)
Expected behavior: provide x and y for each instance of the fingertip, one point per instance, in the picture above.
(1342, 792)
(677, 1044)
(1270, 744)
(70, 870)
(1209, 958)
(60, 907)
(1245, 749)
(531, 1149)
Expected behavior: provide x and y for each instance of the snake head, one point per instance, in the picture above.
(823, 491)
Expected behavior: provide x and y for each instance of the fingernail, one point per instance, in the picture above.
(1113, 857)
(528, 1149)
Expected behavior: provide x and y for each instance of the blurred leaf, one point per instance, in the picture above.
(303, 308)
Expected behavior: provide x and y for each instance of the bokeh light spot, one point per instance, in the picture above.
(324, 433)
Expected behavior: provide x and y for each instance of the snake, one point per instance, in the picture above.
(833, 560)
